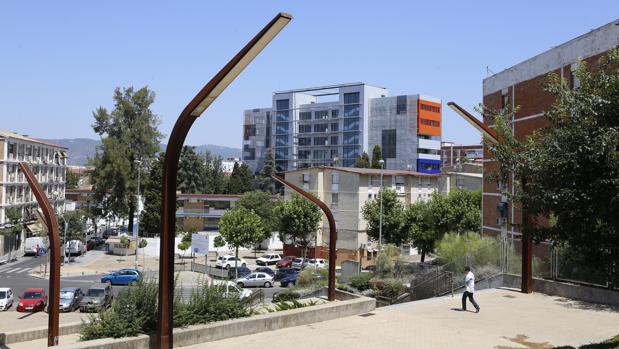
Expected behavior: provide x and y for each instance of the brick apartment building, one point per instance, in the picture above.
(453, 155)
(523, 86)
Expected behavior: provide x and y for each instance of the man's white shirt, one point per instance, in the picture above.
(469, 281)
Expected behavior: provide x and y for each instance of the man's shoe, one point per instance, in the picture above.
(477, 311)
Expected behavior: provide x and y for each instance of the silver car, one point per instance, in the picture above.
(70, 298)
(256, 280)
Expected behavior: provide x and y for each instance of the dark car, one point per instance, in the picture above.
(97, 297)
(98, 240)
(289, 279)
(242, 271)
(285, 262)
(70, 298)
(282, 273)
(91, 245)
(265, 270)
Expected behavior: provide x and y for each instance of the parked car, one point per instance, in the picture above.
(6, 298)
(231, 288)
(265, 270)
(33, 299)
(91, 245)
(242, 271)
(32, 243)
(123, 277)
(97, 297)
(297, 263)
(98, 240)
(289, 279)
(75, 248)
(255, 279)
(316, 263)
(226, 262)
(285, 262)
(369, 269)
(70, 298)
(269, 259)
(284, 272)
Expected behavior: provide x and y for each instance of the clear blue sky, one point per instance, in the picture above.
(59, 60)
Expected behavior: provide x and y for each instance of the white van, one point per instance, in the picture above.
(75, 248)
(32, 243)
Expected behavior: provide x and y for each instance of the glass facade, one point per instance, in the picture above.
(321, 114)
(388, 144)
(321, 127)
(320, 140)
(305, 128)
(351, 138)
(305, 141)
(351, 98)
(282, 127)
(400, 105)
(281, 141)
(335, 140)
(351, 110)
(351, 124)
(351, 153)
(305, 115)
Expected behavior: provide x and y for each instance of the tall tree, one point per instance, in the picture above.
(393, 218)
(418, 225)
(72, 180)
(216, 181)
(267, 183)
(568, 173)
(76, 225)
(240, 227)
(129, 133)
(192, 172)
(299, 221)
(150, 218)
(363, 161)
(377, 155)
(241, 179)
(13, 217)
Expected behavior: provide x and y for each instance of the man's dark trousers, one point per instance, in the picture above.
(470, 295)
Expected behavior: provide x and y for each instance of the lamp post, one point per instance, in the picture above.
(136, 228)
(380, 224)
(195, 108)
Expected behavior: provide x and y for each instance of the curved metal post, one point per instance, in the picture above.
(332, 231)
(170, 167)
(54, 246)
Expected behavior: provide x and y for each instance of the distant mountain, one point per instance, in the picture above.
(82, 149)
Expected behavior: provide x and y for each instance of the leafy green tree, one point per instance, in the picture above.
(216, 180)
(76, 225)
(267, 183)
(185, 243)
(261, 204)
(363, 160)
(567, 173)
(465, 210)
(72, 180)
(299, 220)
(14, 217)
(240, 227)
(241, 179)
(420, 228)
(150, 217)
(192, 172)
(377, 155)
(393, 219)
(129, 132)
(93, 212)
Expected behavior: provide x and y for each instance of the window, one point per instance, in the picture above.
(351, 138)
(335, 126)
(351, 153)
(504, 100)
(400, 182)
(320, 141)
(429, 151)
(282, 115)
(305, 128)
(574, 80)
(281, 141)
(351, 124)
(351, 110)
(282, 127)
(282, 104)
(334, 200)
(350, 98)
(321, 127)
(305, 141)
(388, 144)
(334, 154)
(334, 140)
(335, 178)
(320, 154)
(305, 115)
(249, 153)
(321, 114)
(335, 113)
(432, 123)
(281, 153)
(430, 108)
(304, 154)
(401, 105)
(249, 130)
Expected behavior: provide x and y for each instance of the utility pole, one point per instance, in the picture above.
(64, 246)
(380, 224)
(137, 219)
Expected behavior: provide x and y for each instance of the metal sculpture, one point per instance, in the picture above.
(332, 231)
(54, 247)
(193, 110)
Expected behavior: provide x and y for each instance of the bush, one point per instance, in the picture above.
(455, 251)
(312, 277)
(391, 288)
(286, 296)
(362, 281)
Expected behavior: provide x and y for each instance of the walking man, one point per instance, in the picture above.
(469, 281)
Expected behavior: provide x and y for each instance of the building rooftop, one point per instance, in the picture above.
(367, 171)
(15, 135)
(324, 90)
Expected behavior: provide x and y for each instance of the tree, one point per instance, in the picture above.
(192, 172)
(241, 179)
(150, 218)
(465, 210)
(568, 173)
(299, 221)
(216, 180)
(393, 219)
(14, 217)
(129, 132)
(240, 227)
(93, 212)
(262, 205)
(267, 183)
(76, 225)
(377, 155)
(363, 160)
(185, 243)
(418, 225)
(72, 180)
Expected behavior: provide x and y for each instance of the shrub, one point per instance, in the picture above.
(285, 296)
(391, 288)
(312, 277)
(362, 281)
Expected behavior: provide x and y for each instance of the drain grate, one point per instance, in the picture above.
(367, 314)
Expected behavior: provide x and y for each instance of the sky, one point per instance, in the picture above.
(60, 60)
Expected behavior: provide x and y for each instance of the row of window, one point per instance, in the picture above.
(428, 122)
(430, 108)
(21, 151)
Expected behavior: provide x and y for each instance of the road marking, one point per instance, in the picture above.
(10, 270)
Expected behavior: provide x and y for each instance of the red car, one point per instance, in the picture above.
(285, 262)
(33, 299)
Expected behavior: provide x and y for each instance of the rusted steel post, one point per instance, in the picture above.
(54, 247)
(192, 111)
(332, 231)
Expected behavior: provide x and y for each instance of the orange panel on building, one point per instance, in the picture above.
(428, 118)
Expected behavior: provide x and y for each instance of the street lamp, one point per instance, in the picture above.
(380, 224)
(136, 227)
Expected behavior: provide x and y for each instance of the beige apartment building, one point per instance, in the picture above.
(48, 163)
(346, 190)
